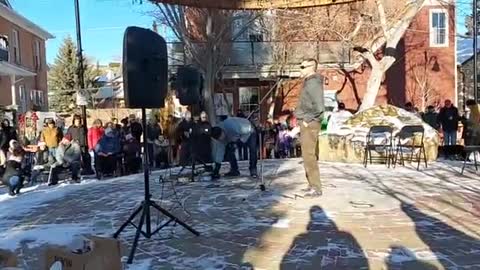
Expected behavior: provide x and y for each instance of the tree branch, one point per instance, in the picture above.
(382, 16)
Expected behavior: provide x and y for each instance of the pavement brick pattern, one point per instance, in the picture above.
(374, 218)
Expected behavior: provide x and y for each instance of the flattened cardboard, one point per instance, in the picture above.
(105, 255)
(7, 259)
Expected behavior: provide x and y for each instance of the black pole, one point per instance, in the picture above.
(146, 174)
(80, 68)
(475, 49)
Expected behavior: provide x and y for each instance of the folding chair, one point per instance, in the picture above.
(384, 148)
(411, 138)
(469, 149)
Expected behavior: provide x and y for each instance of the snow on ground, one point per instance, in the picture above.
(240, 226)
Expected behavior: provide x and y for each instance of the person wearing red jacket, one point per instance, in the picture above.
(94, 134)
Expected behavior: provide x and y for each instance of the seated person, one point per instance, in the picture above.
(131, 152)
(107, 150)
(228, 133)
(14, 175)
(68, 157)
(43, 161)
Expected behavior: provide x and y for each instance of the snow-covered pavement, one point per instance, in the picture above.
(374, 218)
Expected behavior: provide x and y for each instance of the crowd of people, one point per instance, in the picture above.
(117, 150)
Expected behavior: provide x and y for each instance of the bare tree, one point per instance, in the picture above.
(372, 28)
(422, 91)
(206, 35)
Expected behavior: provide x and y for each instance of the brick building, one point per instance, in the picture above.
(424, 74)
(23, 66)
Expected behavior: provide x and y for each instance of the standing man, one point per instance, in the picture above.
(448, 118)
(309, 113)
(231, 131)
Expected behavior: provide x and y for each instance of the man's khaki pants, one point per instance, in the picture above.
(309, 141)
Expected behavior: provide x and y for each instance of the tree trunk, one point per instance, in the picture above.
(208, 93)
(373, 86)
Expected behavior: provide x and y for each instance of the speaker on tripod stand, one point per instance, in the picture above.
(145, 77)
(188, 86)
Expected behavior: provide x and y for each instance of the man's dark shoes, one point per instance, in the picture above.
(52, 184)
(313, 194)
(215, 176)
(232, 174)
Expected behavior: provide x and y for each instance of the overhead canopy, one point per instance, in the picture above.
(253, 4)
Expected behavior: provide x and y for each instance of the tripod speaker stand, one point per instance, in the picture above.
(144, 208)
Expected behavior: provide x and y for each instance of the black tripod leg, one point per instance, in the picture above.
(129, 220)
(137, 236)
(168, 214)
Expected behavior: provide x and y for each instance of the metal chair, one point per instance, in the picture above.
(470, 149)
(411, 138)
(384, 133)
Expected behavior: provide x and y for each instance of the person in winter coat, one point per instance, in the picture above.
(77, 131)
(68, 157)
(431, 117)
(8, 133)
(226, 135)
(472, 124)
(204, 147)
(14, 175)
(183, 135)
(131, 151)
(135, 128)
(94, 134)
(43, 161)
(51, 135)
(448, 118)
(107, 151)
(153, 132)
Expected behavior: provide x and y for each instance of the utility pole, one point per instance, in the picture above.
(81, 85)
(475, 49)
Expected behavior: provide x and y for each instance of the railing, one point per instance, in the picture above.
(270, 53)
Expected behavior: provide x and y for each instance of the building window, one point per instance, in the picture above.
(249, 98)
(22, 94)
(36, 97)
(16, 47)
(438, 28)
(36, 55)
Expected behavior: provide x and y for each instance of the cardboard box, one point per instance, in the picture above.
(105, 254)
(7, 259)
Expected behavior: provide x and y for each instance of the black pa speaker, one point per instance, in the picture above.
(145, 68)
(188, 85)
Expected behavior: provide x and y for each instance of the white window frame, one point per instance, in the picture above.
(432, 31)
(22, 94)
(16, 46)
(36, 55)
(250, 105)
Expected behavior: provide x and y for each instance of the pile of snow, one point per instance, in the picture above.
(357, 127)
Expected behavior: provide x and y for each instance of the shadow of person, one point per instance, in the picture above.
(324, 246)
(401, 258)
(451, 247)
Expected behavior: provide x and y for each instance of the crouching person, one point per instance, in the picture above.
(14, 176)
(107, 150)
(231, 131)
(43, 161)
(68, 157)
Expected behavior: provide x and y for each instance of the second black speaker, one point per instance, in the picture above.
(188, 85)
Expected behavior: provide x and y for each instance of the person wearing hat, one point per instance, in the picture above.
(107, 150)
(14, 174)
(134, 127)
(67, 157)
(43, 161)
(51, 135)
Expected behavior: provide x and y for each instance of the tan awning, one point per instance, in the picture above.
(7, 69)
(254, 4)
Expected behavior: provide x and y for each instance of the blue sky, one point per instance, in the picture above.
(103, 22)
